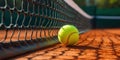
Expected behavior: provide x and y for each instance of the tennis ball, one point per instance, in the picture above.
(68, 35)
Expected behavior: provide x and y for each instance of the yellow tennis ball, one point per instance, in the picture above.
(68, 35)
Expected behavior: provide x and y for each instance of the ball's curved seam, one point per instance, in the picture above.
(67, 42)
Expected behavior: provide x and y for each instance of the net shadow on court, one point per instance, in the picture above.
(27, 25)
(105, 45)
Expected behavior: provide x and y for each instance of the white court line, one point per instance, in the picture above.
(108, 17)
(83, 31)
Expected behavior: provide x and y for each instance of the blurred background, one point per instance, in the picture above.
(106, 12)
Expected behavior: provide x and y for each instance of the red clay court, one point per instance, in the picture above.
(29, 29)
(98, 44)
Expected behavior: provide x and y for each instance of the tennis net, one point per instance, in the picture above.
(27, 25)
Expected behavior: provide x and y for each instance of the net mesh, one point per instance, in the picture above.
(27, 22)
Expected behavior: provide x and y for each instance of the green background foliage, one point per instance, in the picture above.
(102, 8)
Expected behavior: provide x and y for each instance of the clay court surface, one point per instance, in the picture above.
(99, 44)
(22, 35)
